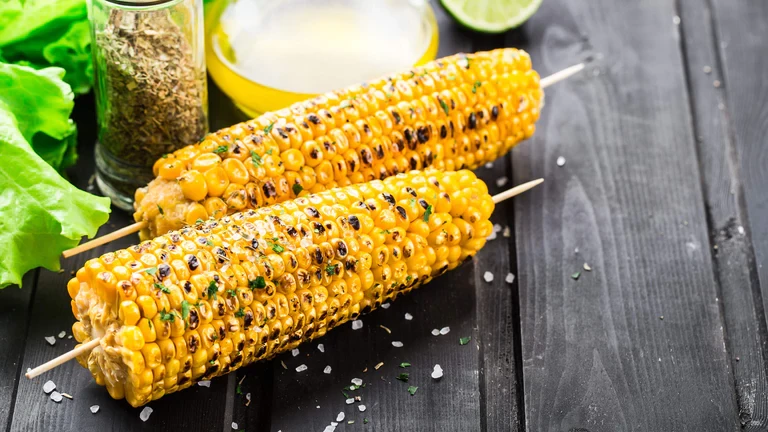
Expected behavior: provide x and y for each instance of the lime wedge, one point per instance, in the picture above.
(491, 16)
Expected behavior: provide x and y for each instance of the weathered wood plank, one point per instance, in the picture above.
(597, 353)
(14, 318)
(724, 196)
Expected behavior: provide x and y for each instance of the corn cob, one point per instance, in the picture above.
(457, 112)
(203, 301)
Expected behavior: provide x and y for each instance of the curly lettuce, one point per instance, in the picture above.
(41, 214)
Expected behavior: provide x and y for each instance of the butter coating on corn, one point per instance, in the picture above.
(457, 112)
(200, 302)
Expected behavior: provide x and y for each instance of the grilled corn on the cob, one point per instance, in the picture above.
(205, 300)
(457, 112)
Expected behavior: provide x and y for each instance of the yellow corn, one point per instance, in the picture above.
(202, 301)
(457, 112)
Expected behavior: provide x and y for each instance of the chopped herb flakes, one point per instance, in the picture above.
(268, 129)
(259, 282)
(427, 213)
(444, 106)
(212, 289)
(184, 309)
(221, 149)
(297, 188)
(405, 365)
(475, 86)
(231, 293)
(412, 390)
(330, 269)
(269, 152)
(403, 377)
(240, 313)
(255, 158)
(576, 276)
(465, 340)
(209, 242)
(160, 209)
(151, 271)
(166, 316)
(162, 288)
(277, 248)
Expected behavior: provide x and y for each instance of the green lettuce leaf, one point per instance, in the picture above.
(43, 33)
(41, 214)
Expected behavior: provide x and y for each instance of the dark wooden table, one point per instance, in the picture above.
(664, 194)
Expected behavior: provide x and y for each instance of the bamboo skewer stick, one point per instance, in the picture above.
(58, 361)
(122, 232)
(138, 226)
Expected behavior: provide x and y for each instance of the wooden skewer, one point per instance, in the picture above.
(45, 367)
(517, 190)
(122, 232)
(561, 75)
(138, 226)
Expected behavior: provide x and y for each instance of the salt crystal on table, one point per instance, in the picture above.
(350, 401)
(94, 409)
(491, 236)
(301, 368)
(327, 370)
(385, 306)
(321, 348)
(51, 340)
(357, 381)
(49, 386)
(234, 425)
(340, 417)
(361, 408)
(501, 181)
(445, 330)
(357, 325)
(204, 383)
(408, 316)
(489, 165)
(560, 161)
(437, 372)
(62, 334)
(488, 276)
(145, 413)
(507, 232)
(496, 227)
(295, 352)
(397, 344)
(510, 278)
(435, 332)
(56, 396)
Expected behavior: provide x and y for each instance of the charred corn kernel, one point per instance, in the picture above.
(458, 112)
(224, 293)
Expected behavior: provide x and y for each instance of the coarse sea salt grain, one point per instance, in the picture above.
(489, 165)
(385, 306)
(62, 334)
(435, 332)
(560, 161)
(56, 396)
(340, 417)
(301, 368)
(510, 278)
(397, 344)
(496, 227)
(51, 340)
(501, 181)
(445, 330)
(507, 232)
(408, 316)
(145, 413)
(350, 401)
(357, 325)
(94, 409)
(488, 276)
(357, 381)
(437, 372)
(327, 370)
(295, 352)
(321, 348)
(234, 425)
(361, 408)
(204, 383)
(49, 386)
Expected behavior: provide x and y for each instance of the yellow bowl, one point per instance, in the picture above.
(255, 98)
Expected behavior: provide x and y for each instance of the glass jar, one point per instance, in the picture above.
(150, 87)
(268, 54)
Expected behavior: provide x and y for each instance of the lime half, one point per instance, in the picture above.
(491, 16)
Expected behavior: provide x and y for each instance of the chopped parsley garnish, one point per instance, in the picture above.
(221, 149)
(365, 420)
(412, 390)
(405, 365)
(160, 209)
(297, 188)
(151, 271)
(165, 155)
(212, 289)
(240, 313)
(184, 309)
(238, 390)
(475, 86)
(231, 293)
(162, 288)
(269, 152)
(408, 278)
(259, 282)
(427, 213)
(255, 158)
(330, 269)
(444, 106)
(403, 377)
(199, 221)
(465, 340)
(167, 316)
(345, 393)
(268, 129)
(576, 275)
(209, 242)
(277, 248)
(386, 231)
